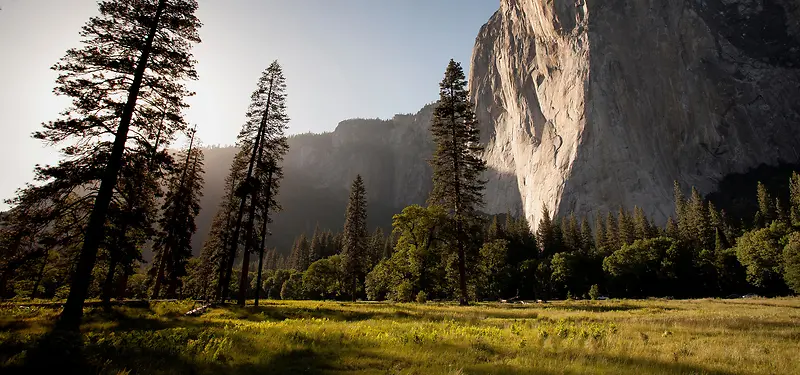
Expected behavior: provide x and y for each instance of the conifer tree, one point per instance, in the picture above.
(457, 166)
(587, 239)
(223, 226)
(794, 199)
(181, 206)
(612, 242)
(627, 230)
(642, 229)
(545, 234)
(600, 235)
(316, 249)
(125, 77)
(354, 251)
(766, 207)
(262, 139)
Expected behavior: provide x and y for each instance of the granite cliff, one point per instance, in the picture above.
(589, 105)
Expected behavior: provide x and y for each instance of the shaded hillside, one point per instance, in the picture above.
(391, 156)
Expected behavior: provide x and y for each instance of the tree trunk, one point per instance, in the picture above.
(122, 286)
(40, 275)
(263, 236)
(162, 266)
(72, 314)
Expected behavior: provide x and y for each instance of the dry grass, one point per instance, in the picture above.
(754, 336)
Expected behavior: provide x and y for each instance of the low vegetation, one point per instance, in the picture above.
(709, 336)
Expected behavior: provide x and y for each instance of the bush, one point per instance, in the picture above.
(293, 287)
(422, 297)
(403, 292)
(594, 292)
(791, 260)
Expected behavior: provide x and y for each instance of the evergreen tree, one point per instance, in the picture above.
(766, 207)
(316, 249)
(698, 223)
(600, 235)
(612, 242)
(545, 234)
(794, 199)
(627, 229)
(354, 253)
(570, 234)
(181, 205)
(457, 165)
(642, 229)
(587, 240)
(262, 139)
(124, 78)
(681, 217)
(223, 226)
(495, 232)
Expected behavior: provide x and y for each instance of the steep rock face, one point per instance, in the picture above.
(586, 106)
(391, 156)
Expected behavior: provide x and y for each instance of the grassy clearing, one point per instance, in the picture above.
(758, 336)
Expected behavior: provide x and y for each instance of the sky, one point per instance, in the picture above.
(341, 58)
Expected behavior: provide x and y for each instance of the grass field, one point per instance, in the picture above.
(748, 336)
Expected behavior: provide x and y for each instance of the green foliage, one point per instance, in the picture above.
(457, 164)
(637, 268)
(324, 279)
(293, 287)
(494, 269)
(422, 297)
(355, 255)
(760, 252)
(791, 262)
(594, 292)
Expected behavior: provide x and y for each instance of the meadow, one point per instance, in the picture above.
(709, 336)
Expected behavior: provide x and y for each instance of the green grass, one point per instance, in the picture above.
(754, 336)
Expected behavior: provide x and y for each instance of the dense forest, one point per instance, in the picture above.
(80, 229)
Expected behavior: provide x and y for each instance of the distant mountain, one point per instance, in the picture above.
(391, 156)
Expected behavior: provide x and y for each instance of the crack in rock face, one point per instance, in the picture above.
(587, 106)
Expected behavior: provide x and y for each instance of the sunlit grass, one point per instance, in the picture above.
(758, 336)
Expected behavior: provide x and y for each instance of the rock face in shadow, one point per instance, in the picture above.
(589, 105)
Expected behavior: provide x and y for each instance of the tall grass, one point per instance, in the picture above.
(759, 336)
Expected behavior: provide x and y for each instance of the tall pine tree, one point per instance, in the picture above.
(181, 205)
(123, 80)
(354, 252)
(457, 166)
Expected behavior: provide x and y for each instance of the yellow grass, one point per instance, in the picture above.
(748, 336)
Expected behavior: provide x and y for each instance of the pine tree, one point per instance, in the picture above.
(457, 166)
(681, 214)
(794, 199)
(316, 249)
(270, 177)
(262, 138)
(376, 244)
(495, 232)
(641, 225)
(627, 229)
(545, 234)
(587, 241)
(766, 208)
(224, 227)
(671, 229)
(600, 235)
(355, 235)
(181, 206)
(125, 77)
(697, 222)
(612, 242)
(571, 234)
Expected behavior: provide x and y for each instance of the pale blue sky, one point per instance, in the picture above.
(342, 59)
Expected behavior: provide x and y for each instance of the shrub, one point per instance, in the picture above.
(594, 292)
(403, 292)
(422, 297)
